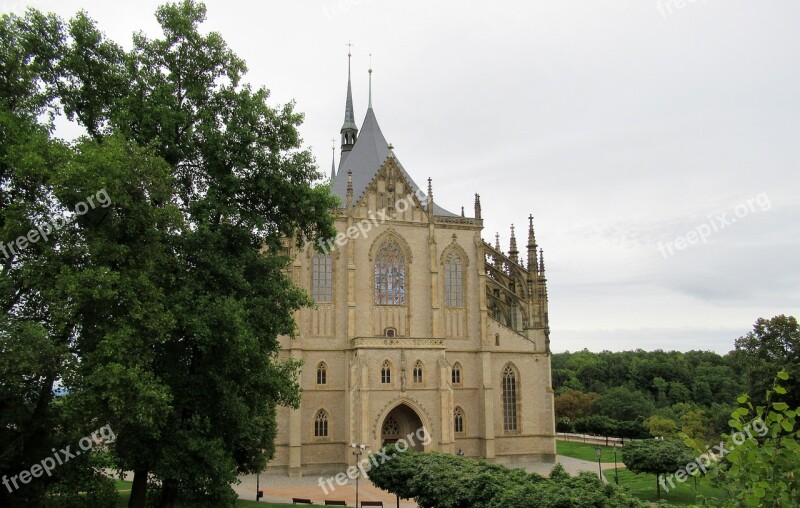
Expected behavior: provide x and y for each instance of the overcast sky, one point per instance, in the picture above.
(629, 129)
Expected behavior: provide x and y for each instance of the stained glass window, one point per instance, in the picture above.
(390, 274)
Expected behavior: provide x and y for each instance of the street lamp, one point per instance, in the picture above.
(358, 449)
(616, 478)
(598, 450)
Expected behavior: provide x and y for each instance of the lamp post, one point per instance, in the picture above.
(358, 449)
(598, 450)
(616, 478)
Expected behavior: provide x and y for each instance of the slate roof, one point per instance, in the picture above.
(367, 156)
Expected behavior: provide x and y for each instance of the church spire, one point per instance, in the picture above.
(512, 251)
(369, 106)
(349, 129)
(532, 261)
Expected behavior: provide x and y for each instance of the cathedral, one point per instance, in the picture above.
(418, 324)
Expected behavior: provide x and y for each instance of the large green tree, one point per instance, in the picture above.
(173, 297)
(773, 345)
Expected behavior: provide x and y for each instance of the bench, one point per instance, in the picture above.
(372, 503)
(298, 500)
(334, 503)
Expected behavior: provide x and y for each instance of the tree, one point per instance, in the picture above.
(773, 345)
(658, 426)
(622, 404)
(573, 404)
(656, 456)
(174, 296)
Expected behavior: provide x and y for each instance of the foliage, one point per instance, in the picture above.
(764, 469)
(622, 404)
(446, 481)
(658, 426)
(633, 386)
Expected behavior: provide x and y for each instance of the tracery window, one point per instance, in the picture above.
(456, 377)
(454, 281)
(390, 274)
(509, 400)
(322, 373)
(458, 421)
(386, 373)
(321, 424)
(322, 279)
(391, 427)
(418, 372)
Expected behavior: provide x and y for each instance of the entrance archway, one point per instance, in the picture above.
(399, 423)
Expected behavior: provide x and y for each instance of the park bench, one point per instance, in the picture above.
(372, 503)
(298, 500)
(328, 502)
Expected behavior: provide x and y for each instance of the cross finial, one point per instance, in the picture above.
(349, 47)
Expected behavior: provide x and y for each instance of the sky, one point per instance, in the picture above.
(656, 142)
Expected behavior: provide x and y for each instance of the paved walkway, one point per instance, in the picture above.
(281, 489)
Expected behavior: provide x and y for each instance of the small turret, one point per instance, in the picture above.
(477, 206)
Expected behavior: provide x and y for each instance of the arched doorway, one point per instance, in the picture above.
(398, 424)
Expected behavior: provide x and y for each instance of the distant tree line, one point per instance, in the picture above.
(634, 394)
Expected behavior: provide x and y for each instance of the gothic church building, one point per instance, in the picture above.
(419, 322)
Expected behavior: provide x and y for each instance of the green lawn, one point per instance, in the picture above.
(586, 451)
(124, 489)
(643, 486)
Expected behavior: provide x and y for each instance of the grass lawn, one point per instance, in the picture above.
(643, 486)
(124, 489)
(585, 451)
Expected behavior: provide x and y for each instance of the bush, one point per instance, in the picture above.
(438, 480)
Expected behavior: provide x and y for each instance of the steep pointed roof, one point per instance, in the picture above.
(366, 158)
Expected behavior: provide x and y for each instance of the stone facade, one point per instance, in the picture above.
(418, 322)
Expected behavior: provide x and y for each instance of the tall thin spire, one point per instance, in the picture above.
(532, 261)
(512, 251)
(333, 159)
(370, 82)
(349, 129)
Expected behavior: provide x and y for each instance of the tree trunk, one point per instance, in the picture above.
(169, 493)
(138, 489)
(658, 487)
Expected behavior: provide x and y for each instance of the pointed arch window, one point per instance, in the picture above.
(510, 400)
(321, 424)
(322, 373)
(456, 374)
(458, 421)
(322, 278)
(418, 372)
(454, 281)
(390, 274)
(386, 373)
